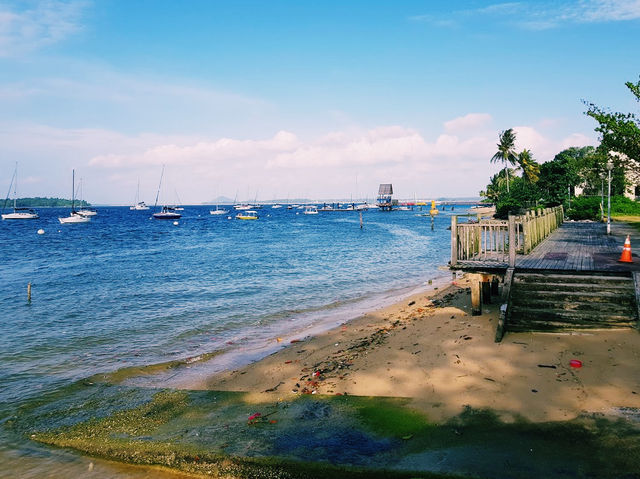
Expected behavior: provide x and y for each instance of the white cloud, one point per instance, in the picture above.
(45, 23)
(542, 15)
(453, 162)
(468, 122)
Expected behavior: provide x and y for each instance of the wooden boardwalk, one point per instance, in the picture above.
(572, 247)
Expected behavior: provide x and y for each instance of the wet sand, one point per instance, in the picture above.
(430, 349)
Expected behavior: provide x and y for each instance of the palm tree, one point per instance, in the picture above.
(530, 168)
(506, 151)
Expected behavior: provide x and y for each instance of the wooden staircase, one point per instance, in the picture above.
(558, 301)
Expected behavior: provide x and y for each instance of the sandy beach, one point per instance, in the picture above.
(429, 348)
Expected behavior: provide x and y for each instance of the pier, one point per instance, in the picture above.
(555, 275)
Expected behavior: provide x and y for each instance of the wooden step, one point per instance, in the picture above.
(570, 279)
(559, 286)
(626, 297)
(519, 314)
(593, 307)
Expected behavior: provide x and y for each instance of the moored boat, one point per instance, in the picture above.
(74, 216)
(18, 213)
(247, 215)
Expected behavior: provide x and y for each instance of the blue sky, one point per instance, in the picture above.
(296, 98)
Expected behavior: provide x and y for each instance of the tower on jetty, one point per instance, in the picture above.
(385, 191)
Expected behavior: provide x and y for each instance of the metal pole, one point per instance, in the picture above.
(609, 205)
(601, 198)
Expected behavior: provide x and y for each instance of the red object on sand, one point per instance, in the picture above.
(575, 363)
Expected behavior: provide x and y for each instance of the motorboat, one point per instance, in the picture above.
(276, 206)
(310, 210)
(139, 206)
(74, 216)
(18, 213)
(247, 215)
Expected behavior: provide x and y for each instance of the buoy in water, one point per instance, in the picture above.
(176, 223)
(40, 231)
(575, 363)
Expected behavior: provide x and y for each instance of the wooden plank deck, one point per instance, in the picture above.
(575, 247)
(572, 247)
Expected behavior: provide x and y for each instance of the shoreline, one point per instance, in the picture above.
(421, 378)
(192, 372)
(429, 348)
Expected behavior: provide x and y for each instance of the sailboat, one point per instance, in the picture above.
(218, 211)
(167, 212)
(74, 216)
(138, 205)
(18, 213)
(84, 211)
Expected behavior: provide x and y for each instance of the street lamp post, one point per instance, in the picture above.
(609, 168)
(602, 175)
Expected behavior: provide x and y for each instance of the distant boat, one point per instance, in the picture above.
(167, 212)
(276, 206)
(138, 205)
(242, 207)
(218, 211)
(85, 211)
(18, 213)
(247, 215)
(310, 210)
(74, 216)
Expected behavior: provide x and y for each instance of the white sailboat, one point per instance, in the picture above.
(18, 213)
(84, 211)
(138, 205)
(218, 211)
(74, 216)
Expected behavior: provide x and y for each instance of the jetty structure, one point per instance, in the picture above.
(549, 275)
(385, 192)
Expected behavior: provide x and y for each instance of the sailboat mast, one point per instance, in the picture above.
(73, 190)
(159, 185)
(15, 188)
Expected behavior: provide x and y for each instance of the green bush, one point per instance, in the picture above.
(585, 208)
(624, 206)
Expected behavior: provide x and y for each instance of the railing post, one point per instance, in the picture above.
(512, 241)
(454, 240)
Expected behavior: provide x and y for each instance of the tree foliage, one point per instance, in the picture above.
(619, 131)
(506, 151)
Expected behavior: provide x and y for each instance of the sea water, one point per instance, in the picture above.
(127, 290)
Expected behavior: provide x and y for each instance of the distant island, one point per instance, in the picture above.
(39, 202)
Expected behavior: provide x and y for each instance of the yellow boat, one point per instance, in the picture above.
(433, 210)
(247, 215)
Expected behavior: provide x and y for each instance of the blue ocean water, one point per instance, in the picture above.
(128, 290)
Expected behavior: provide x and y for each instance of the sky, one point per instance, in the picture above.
(299, 99)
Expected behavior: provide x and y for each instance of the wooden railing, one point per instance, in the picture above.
(498, 241)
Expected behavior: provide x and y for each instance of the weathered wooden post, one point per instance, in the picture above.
(454, 240)
(512, 241)
(361, 220)
(29, 292)
(476, 296)
(486, 289)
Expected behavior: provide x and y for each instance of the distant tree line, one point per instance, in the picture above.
(40, 202)
(524, 183)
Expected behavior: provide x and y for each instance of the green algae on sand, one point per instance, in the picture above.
(210, 433)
